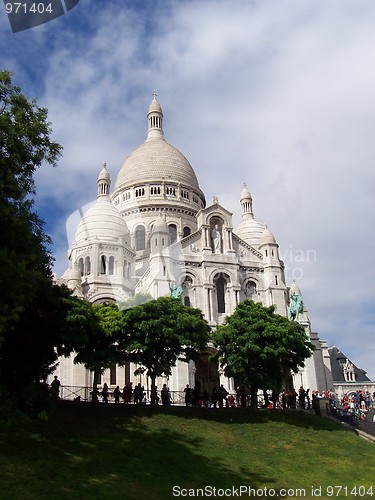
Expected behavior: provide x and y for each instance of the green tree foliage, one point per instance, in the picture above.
(96, 344)
(29, 303)
(161, 331)
(258, 347)
(28, 354)
(24, 145)
(50, 324)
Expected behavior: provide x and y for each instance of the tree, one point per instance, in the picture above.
(160, 332)
(51, 324)
(28, 354)
(258, 347)
(24, 145)
(97, 345)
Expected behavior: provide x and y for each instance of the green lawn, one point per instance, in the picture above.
(116, 451)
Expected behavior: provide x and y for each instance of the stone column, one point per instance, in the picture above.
(206, 238)
(209, 303)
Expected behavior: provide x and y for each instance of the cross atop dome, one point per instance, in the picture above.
(155, 95)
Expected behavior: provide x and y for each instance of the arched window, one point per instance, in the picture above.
(140, 238)
(250, 289)
(103, 264)
(187, 286)
(80, 266)
(186, 231)
(111, 265)
(221, 287)
(124, 269)
(87, 266)
(173, 232)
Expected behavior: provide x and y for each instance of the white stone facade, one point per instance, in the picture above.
(155, 231)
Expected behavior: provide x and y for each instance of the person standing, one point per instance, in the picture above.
(55, 388)
(117, 394)
(187, 392)
(105, 392)
(223, 393)
(165, 395)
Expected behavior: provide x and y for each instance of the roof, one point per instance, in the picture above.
(156, 160)
(102, 221)
(250, 231)
(337, 372)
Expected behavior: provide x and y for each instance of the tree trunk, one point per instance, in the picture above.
(153, 390)
(288, 379)
(95, 386)
(254, 397)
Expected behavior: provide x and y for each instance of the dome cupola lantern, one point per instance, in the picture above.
(249, 229)
(155, 120)
(247, 203)
(104, 181)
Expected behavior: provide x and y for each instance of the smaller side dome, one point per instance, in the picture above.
(102, 222)
(160, 225)
(267, 238)
(250, 231)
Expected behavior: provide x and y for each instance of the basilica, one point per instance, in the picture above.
(154, 233)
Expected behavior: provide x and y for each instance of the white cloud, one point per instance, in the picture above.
(276, 93)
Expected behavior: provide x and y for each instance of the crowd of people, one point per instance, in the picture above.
(354, 405)
(138, 394)
(217, 398)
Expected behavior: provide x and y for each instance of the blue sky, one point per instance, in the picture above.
(274, 93)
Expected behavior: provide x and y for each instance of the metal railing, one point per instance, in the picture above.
(82, 393)
(75, 393)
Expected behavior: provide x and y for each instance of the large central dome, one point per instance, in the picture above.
(156, 160)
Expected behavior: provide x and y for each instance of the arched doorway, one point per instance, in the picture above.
(206, 373)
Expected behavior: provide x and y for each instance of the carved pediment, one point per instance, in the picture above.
(244, 250)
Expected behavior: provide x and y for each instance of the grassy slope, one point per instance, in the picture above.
(109, 451)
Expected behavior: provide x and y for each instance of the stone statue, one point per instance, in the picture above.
(295, 306)
(176, 291)
(216, 239)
